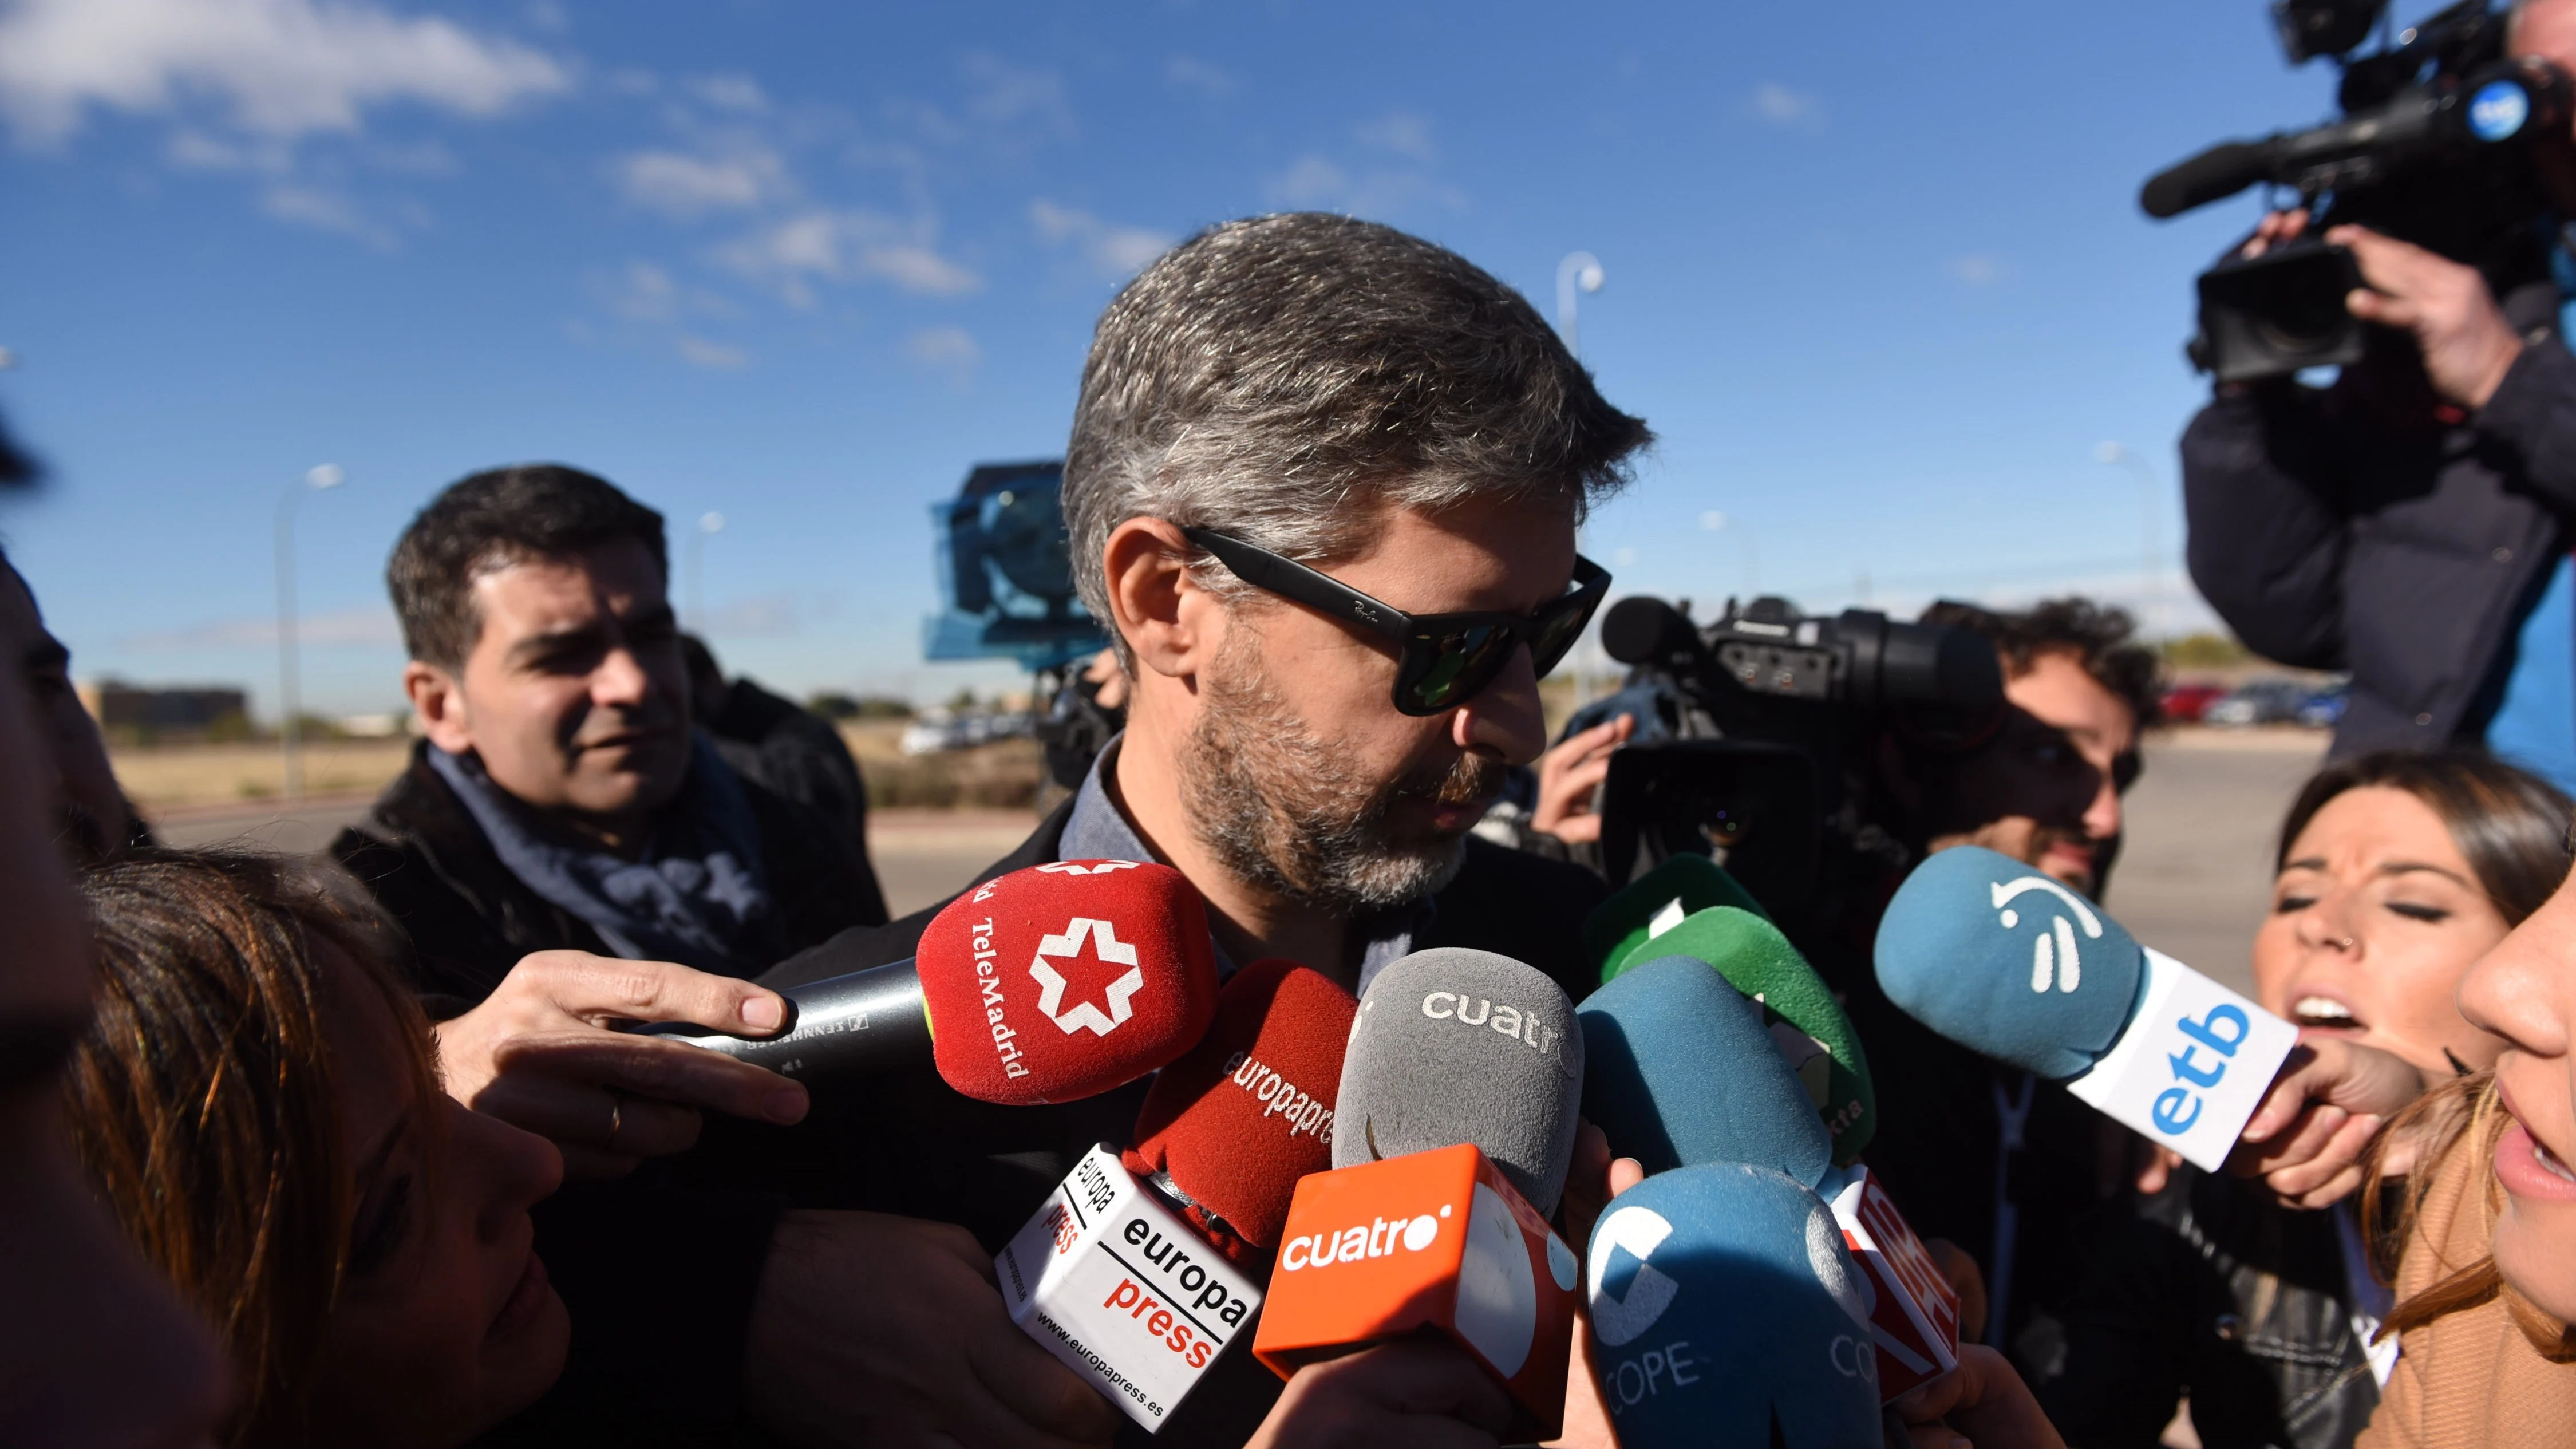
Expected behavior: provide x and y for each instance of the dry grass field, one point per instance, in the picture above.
(187, 778)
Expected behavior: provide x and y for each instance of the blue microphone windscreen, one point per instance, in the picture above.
(1727, 1310)
(1679, 1069)
(1998, 957)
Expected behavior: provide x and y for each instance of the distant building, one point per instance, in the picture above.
(119, 706)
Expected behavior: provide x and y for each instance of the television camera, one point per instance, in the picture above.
(2435, 147)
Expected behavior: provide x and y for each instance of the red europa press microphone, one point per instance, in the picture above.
(1048, 984)
(1142, 1269)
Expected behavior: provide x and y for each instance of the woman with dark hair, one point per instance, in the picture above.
(2395, 872)
(256, 1103)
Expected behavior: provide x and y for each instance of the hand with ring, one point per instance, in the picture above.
(542, 1052)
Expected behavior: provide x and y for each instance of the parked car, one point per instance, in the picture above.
(2259, 702)
(2324, 709)
(2186, 703)
(931, 732)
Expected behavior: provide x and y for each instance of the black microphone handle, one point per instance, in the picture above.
(2221, 171)
(867, 1021)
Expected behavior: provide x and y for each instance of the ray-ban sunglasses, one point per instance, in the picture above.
(1446, 658)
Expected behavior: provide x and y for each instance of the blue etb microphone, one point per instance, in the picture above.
(1726, 1310)
(1992, 954)
(1678, 1069)
(2002, 959)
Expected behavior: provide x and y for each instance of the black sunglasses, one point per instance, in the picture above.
(1446, 658)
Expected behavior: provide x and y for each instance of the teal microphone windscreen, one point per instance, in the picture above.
(1805, 1020)
(1679, 1069)
(1726, 1309)
(2000, 958)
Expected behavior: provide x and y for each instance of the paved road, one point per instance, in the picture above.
(2193, 883)
(2196, 875)
(921, 856)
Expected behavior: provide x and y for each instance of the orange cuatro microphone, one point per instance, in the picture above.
(1435, 1241)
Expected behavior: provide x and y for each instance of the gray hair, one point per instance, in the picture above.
(1278, 378)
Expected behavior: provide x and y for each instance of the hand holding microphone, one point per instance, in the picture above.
(1048, 984)
(541, 1053)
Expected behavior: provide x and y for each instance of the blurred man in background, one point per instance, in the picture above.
(2410, 522)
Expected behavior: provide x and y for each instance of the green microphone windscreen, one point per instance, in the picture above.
(1805, 1021)
(1656, 902)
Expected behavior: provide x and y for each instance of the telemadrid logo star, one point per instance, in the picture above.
(1075, 867)
(1107, 949)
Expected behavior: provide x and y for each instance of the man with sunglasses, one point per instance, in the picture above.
(1323, 487)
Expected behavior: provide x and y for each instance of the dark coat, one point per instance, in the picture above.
(659, 1274)
(2212, 1290)
(425, 860)
(2331, 536)
(773, 742)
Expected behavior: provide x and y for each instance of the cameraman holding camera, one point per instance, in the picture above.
(2410, 523)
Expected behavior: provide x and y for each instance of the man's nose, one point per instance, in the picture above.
(1505, 718)
(2102, 816)
(621, 680)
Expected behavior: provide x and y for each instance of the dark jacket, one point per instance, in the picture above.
(659, 1274)
(2331, 535)
(773, 742)
(908, 1144)
(425, 860)
(2212, 1290)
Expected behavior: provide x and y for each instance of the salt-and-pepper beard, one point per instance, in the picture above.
(1282, 808)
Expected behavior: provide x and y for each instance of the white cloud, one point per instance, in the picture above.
(950, 350)
(1402, 133)
(846, 246)
(1777, 105)
(281, 68)
(1190, 73)
(367, 624)
(1975, 269)
(681, 185)
(315, 207)
(1005, 96)
(1113, 251)
(732, 92)
(717, 355)
(1317, 183)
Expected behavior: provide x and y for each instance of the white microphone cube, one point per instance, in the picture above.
(2192, 1065)
(1122, 1290)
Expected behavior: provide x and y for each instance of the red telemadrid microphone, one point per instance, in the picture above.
(1143, 1268)
(1048, 984)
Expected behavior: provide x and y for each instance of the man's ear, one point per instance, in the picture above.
(439, 701)
(1171, 625)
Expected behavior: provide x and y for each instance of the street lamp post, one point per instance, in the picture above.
(1579, 272)
(708, 523)
(2150, 486)
(290, 731)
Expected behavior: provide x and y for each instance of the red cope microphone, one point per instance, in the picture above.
(1145, 1267)
(1048, 984)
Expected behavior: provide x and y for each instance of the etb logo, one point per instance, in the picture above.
(2053, 954)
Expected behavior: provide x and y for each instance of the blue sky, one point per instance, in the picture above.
(1876, 276)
